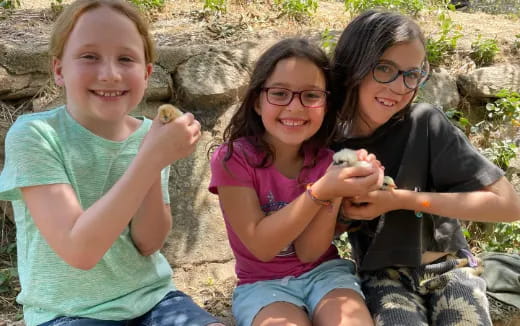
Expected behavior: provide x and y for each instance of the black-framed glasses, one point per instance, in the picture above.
(312, 98)
(386, 72)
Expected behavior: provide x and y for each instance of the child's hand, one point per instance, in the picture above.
(370, 205)
(341, 181)
(352, 158)
(168, 142)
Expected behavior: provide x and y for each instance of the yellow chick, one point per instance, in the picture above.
(168, 112)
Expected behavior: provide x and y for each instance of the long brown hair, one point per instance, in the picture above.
(359, 48)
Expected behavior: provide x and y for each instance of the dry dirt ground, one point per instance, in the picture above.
(184, 22)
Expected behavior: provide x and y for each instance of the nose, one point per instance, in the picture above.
(398, 86)
(296, 102)
(109, 71)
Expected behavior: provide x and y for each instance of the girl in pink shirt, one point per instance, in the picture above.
(280, 196)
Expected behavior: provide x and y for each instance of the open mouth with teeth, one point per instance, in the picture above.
(108, 93)
(292, 123)
(386, 102)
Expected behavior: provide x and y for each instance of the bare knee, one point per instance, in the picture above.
(281, 314)
(342, 307)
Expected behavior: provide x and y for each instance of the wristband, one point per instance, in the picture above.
(318, 201)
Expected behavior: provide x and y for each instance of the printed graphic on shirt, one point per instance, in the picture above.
(272, 207)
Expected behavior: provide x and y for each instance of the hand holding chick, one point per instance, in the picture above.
(349, 158)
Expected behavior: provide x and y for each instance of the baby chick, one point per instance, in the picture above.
(168, 112)
(348, 157)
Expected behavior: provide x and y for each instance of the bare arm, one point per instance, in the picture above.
(266, 236)
(152, 223)
(81, 237)
(497, 202)
(318, 235)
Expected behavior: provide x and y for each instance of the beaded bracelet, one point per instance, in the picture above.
(314, 198)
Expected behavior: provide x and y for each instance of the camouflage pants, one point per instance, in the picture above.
(447, 293)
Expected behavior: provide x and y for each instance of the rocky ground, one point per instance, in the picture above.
(184, 22)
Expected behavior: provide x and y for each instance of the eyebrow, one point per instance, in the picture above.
(398, 66)
(89, 46)
(305, 87)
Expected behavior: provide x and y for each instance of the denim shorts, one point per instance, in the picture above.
(304, 291)
(175, 309)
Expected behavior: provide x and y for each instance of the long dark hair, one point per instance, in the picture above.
(246, 123)
(359, 48)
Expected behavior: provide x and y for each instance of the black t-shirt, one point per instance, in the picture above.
(422, 151)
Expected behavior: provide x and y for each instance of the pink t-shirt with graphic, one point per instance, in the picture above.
(274, 191)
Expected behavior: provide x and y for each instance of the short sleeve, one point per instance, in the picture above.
(234, 172)
(32, 157)
(455, 164)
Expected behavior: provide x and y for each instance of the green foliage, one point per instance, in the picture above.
(410, 7)
(440, 48)
(506, 109)
(483, 51)
(328, 42)
(215, 6)
(148, 4)
(297, 9)
(459, 119)
(8, 275)
(501, 152)
(343, 245)
(57, 6)
(501, 237)
(10, 4)
(515, 47)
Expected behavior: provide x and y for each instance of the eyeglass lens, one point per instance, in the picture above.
(308, 98)
(385, 72)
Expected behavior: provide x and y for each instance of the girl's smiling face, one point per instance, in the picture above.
(103, 68)
(378, 102)
(290, 125)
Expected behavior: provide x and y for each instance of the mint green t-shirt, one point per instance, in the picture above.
(49, 148)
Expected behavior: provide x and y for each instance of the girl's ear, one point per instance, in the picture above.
(148, 71)
(57, 72)
(258, 110)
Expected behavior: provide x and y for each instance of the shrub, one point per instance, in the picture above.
(9, 4)
(483, 51)
(515, 47)
(506, 108)
(148, 4)
(440, 48)
(501, 152)
(328, 42)
(411, 7)
(501, 237)
(297, 9)
(216, 6)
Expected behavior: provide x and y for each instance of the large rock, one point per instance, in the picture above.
(440, 89)
(198, 234)
(14, 87)
(484, 83)
(159, 85)
(215, 78)
(20, 60)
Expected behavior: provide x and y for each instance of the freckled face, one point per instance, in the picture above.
(378, 102)
(291, 125)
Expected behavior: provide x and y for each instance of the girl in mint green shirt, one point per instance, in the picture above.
(88, 182)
